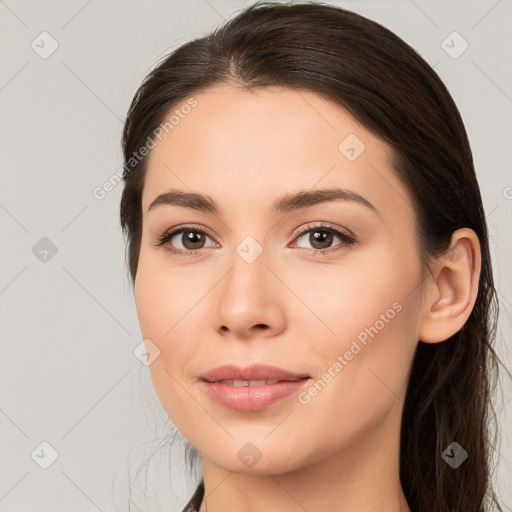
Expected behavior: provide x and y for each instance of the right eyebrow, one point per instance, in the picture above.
(187, 200)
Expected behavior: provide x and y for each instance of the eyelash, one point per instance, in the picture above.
(346, 239)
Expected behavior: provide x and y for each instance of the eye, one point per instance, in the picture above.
(321, 237)
(192, 240)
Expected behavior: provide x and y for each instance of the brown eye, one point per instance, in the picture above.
(192, 239)
(322, 237)
(186, 240)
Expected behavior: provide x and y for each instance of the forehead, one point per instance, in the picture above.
(236, 143)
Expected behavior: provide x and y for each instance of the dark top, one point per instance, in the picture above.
(195, 502)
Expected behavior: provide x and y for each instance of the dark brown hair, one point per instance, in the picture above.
(395, 94)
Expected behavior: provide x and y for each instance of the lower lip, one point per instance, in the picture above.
(252, 398)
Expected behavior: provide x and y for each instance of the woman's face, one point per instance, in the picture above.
(252, 289)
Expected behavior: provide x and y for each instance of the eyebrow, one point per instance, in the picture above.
(284, 204)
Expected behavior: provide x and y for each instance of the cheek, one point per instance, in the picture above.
(162, 308)
(163, 296)
(366, 347)
(340, 301)
(365, 374)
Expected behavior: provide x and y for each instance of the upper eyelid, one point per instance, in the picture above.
(323, 225)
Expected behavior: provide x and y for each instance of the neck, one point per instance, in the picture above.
(363, 475)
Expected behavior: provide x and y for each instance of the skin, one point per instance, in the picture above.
(288, 308)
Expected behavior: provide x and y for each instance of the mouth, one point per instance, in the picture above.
(252, 395)
(251, 388)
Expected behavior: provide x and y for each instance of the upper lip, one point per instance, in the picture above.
(252, 372)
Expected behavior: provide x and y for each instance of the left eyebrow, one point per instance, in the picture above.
(284, 204)
(307, 198)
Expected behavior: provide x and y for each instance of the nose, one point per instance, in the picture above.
(250, 301)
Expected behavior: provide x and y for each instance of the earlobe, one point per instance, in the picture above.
(453, 291)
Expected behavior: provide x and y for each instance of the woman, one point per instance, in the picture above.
(310, 260)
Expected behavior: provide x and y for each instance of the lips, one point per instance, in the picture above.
(252, 375)
(253, 388)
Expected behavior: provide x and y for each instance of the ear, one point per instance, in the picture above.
(452, 294)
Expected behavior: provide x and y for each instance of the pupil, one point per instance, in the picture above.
(193, 237)
(319, 235)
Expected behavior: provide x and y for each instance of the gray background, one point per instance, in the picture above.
(68, 374)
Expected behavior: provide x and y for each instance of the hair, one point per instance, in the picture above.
(383, 83)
